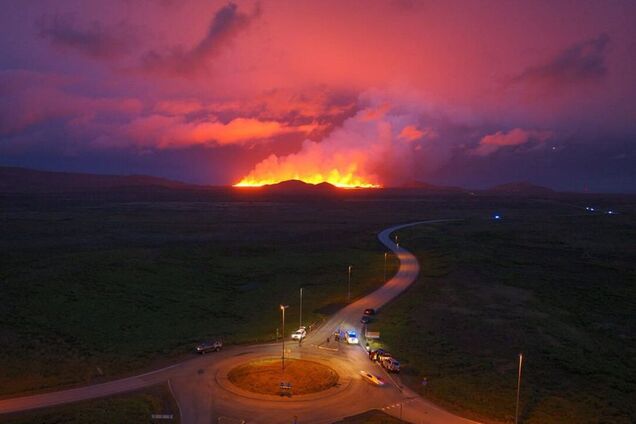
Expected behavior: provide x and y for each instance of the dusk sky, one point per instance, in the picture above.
(470, 93)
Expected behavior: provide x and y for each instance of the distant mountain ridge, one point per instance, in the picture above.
(24, 180)
(18, 180)
(297, 186)
(521, 187)
(432, 187)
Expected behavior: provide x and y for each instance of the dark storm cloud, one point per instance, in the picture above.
(226, 24)
(94, 40)
(581, 63)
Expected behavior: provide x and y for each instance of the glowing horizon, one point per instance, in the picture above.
(244, 93)
(247, 182)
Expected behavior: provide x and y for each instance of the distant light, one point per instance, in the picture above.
(587, 208)
(610, 212)
(592, 209)
(497, 217)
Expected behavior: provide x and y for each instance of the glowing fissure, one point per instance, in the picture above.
(334, 177)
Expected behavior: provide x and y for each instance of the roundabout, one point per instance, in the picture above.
(257, 377)
(264, 376)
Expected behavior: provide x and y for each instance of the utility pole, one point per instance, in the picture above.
(301, 308)
(282, 308)
(349, 287)
(518, 387)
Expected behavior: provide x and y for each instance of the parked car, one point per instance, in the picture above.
(390, 364)
(377, 355)
(369, 311)
(352, 337)
(209, 346)
(374, 379)
(299, 334)
(365, 319)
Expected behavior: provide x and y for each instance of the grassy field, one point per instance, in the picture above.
(560, 289)
(99, 285)
(101, 289)
(130, 408)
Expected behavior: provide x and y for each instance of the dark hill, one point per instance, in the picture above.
(299, 187)
(22, 180)
(430, 187)
(521, 188)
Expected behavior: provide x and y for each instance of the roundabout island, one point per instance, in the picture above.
(264, 376)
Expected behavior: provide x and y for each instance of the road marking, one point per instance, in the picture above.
(175, 401)
(328, 348)
(396, 405)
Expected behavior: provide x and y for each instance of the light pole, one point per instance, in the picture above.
(282, 308)
(301, 308)
(349, 287)
(518, 386)
(385, 255)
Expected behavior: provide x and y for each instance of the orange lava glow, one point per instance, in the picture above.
(334, 177)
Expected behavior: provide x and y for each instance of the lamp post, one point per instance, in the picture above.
(282, 308)
(518, 387)
(349, 287)
(385, 255)
(301, 308)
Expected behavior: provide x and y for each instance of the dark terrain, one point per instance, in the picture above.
(105, 280)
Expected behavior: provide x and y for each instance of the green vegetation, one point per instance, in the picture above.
(96, 286)
(560, 289)
(131, 408)
(101, 290)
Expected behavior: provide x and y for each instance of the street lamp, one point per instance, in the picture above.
(385, 255)
(349, 287)
(301, 308)
(518, 386)
(282, 308)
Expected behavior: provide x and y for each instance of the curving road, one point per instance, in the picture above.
(204, 395)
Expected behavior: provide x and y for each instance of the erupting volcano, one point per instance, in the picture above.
(316, 163)
(333, 177)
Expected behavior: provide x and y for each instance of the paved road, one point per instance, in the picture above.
(203, 396)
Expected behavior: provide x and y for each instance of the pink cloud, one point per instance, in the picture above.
(515, 137)
(171, 131)
(410, 133)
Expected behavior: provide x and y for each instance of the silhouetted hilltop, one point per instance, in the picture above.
(523, 188)
(431, 187)
(23, 180)
(299, 187)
